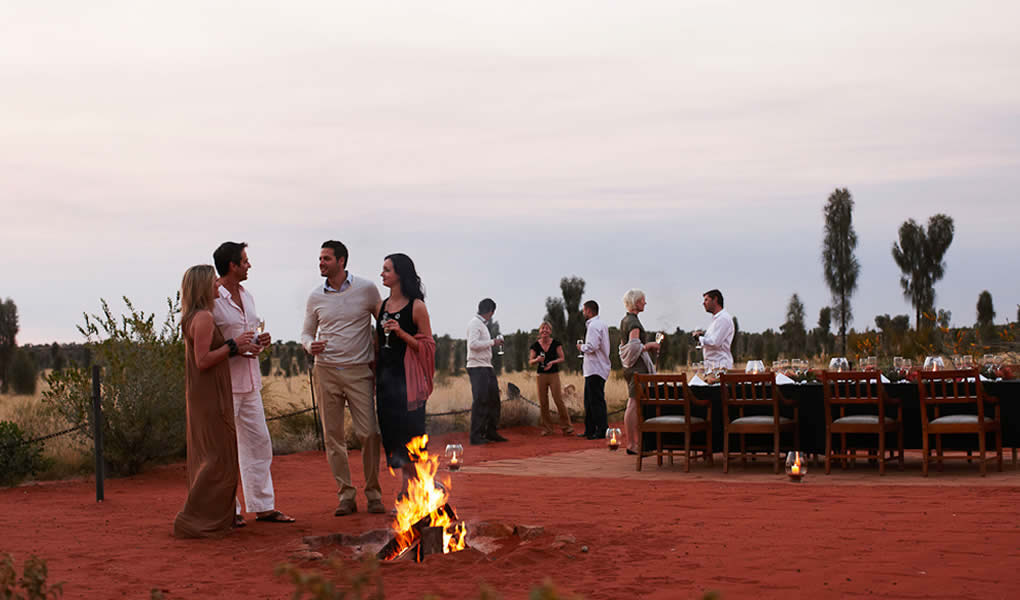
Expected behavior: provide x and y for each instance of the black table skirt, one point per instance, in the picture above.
(811, 405)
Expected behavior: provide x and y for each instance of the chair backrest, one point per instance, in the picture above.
(853, 388)
(958, 387)
(663, 390)
(757, 392)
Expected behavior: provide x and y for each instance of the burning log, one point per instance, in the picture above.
(422, 533)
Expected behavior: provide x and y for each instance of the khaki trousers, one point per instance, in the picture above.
(351, 387)
(545, 382)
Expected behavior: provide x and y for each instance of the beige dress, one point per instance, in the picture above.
(212, 448)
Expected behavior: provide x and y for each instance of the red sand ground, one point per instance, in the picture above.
(656, 534)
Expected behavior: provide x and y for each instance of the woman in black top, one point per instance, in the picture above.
(547, 354)
(400, 319)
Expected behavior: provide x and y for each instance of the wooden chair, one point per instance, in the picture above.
(759, 394)
(862, 390)
(670, 391)
(961, 392)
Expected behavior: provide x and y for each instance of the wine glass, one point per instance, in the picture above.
(659, 337)
(260, 328)
(500, 351)
(580, 354)
(897, 365)
(386, 333)
(541, 364)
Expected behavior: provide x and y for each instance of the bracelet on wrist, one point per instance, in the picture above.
(233, 347)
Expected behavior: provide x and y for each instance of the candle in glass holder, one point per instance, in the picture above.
(613, 438)
(796, 466)
(455, 456)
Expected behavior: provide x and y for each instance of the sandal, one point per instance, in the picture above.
(238, 522)
(275, 517)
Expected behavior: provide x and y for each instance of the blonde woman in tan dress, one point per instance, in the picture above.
(212, 439)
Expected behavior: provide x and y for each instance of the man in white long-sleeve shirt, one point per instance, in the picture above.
(715, 342)
(234, 313)
(596, 372)
(341, 310)
(484, 387)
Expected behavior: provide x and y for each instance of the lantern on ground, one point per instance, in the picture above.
(796, 465)
(613, 437)
(454, 456)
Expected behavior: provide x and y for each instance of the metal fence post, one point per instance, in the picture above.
(315, 409)
(97, 431)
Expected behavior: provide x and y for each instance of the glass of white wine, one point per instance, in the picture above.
(580, 354)
(386, 333)
(500, 338)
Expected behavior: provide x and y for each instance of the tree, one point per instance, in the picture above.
(839, 263)
(794, 333)
(919, 255)
(23, 373)
(566, 318)
(8, 337)
(823, 330)
(985, 317)
(894, 331)
(57, 360)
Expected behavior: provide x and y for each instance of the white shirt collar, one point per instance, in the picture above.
(346, 283)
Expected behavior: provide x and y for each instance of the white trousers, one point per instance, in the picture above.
(254, 452)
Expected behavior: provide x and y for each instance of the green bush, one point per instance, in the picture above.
(33, 580)
(142, 387)
(17, 459)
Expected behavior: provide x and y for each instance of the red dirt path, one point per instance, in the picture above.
(658, 534)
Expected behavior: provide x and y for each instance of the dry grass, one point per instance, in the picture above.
(64, 456)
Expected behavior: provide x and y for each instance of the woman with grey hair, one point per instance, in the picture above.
(634, 356)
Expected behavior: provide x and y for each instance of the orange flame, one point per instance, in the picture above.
(426, 498)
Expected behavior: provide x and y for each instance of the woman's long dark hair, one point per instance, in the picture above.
(410, 283)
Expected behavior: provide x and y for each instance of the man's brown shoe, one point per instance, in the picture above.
(346, 507)
(376, 507)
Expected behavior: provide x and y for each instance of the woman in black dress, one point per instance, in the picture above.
(406, 358)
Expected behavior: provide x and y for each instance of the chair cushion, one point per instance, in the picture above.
(958, 420)
(861, 420)
(672, 420)
(758, 420)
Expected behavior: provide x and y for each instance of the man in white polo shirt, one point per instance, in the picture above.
(338, 333)
(715, 342)
(234, 313)
(484, 387)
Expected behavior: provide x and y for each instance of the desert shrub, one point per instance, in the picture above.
(32, 581)
(23, 373)
(293, 433)
(17, 459)
(142, 387)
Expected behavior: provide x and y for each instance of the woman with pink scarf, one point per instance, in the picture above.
(406, 360)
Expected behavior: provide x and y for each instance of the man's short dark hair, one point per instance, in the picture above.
(228, 252)
(715, 295)
(592, 306)
(486, 306)
(338, 248)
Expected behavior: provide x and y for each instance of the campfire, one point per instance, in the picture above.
(425, 522)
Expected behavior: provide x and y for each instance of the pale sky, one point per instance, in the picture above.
(670, 146)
